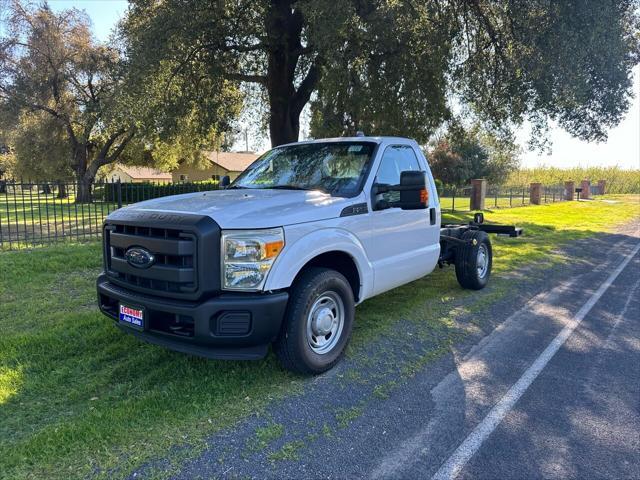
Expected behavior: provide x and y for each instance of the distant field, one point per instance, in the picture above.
(618, 179)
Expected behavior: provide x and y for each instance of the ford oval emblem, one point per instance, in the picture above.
(139, 257)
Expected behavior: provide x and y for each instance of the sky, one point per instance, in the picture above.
(622, 147)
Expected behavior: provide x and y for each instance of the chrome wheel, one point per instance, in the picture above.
(325, 322)
(482, 261)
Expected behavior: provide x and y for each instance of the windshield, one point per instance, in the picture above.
(336, 168)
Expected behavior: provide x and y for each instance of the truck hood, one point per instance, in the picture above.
(254, 208)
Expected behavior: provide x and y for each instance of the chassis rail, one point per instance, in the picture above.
(451, 236)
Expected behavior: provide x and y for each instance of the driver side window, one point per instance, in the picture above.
(395, 159)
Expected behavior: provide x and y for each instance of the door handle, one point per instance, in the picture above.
(432, 216)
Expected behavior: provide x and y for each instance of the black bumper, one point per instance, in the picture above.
(229, 326)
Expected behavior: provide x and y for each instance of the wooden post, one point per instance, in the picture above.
(478, 193)
(586, 189)
(535, 193)
(569, 190)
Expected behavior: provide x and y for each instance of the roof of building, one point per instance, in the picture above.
(144, 173)
(232, 161)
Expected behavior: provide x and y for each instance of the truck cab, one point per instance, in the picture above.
(281, 256)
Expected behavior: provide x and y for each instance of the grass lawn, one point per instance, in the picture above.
(27, 218)
(79, 398)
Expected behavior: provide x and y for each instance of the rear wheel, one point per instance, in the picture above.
(318, 322)
(474, 260)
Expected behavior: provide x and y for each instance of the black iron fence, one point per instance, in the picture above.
(456, 199)
(40, 213)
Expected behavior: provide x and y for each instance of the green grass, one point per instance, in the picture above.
(78, 398)
(265, 435)
(289, 451)
(31, 208)
(29, 219)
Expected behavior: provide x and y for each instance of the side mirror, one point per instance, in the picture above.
(225, 181)
(413, 192)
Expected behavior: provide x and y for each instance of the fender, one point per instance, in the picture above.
(296, 255)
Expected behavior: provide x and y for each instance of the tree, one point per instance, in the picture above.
(463, 154)
(391, 67)
(41, 151)
(51, 65)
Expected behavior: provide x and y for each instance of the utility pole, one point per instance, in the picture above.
(246, 140)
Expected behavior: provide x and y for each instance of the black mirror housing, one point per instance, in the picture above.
(413, 192)
(225, 181)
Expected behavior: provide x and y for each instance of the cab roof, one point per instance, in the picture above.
(363, 138)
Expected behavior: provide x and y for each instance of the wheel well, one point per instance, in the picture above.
(341, 262)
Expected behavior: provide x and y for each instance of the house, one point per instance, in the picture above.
(220, 164)
(128, 174)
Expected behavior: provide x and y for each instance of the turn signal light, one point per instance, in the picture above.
(272, 249)
(424, 196)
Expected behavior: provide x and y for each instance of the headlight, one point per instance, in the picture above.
(247, 256)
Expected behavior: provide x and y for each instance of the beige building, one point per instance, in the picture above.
(127, 174)
(220, 164)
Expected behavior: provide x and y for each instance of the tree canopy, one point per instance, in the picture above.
(462, 154)
(390, 67)
(51, 66)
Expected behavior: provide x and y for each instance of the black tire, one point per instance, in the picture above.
(293, 348)
(467, 260)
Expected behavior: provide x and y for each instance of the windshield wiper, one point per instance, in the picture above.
(233, 187)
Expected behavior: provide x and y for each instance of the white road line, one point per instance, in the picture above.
(456, 462)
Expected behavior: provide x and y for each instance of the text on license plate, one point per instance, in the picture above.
(130, 315)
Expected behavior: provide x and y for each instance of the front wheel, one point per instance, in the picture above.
(474, 260)
(318, 322)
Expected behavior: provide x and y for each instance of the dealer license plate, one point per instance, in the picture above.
(132, 316)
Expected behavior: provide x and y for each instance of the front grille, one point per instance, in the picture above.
(174, 251)
(175, 270)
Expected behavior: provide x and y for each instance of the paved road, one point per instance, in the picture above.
(577, 417)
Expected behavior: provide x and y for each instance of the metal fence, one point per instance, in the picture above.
(454, 199)
(40, 213)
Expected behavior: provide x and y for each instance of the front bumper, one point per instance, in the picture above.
(229, 326)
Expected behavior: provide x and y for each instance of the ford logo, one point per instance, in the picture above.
(139, 257)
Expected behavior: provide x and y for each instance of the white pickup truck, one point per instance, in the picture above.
(284, 253)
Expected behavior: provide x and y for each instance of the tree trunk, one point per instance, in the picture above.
(284, 125)
(284, 24)
(62, 190)
(83, 194)
(83, 190)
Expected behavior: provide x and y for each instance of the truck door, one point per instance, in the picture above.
(403, 245)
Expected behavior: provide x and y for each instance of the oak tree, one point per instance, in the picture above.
(394, 67)
(51, 65)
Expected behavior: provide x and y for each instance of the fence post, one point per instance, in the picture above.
(119, 193)
(535, 193)
(478, 194)
(586, 189)
(569, 190)
(602, 187)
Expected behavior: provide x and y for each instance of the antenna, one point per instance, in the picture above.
(360, 133)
